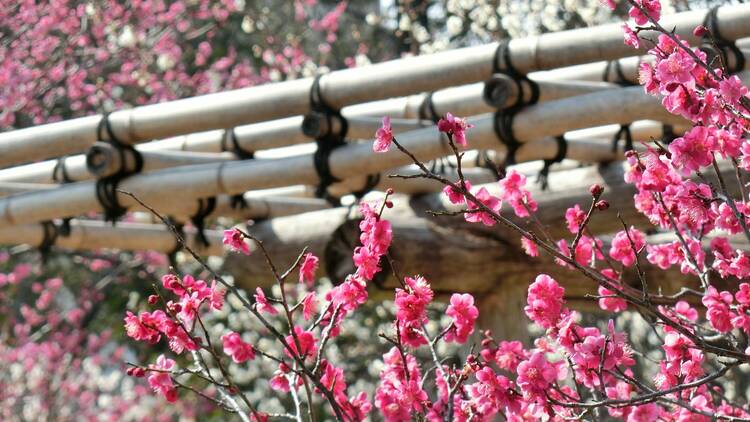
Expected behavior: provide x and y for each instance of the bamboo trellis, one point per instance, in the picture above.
(254, 150)
(345, 87)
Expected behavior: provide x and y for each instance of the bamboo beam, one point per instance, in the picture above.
(607, 71)
(419, 246)
(14, 188)
(345, 87)
(567, 188)
(465, 100)
(102, 158)
(168, 188)
(94, 235)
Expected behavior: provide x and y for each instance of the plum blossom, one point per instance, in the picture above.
(535, 375)
(651, 7)
(513, 190)
(236, 241)
(160, 379)
(464, 314)
(236, 348)
(693, 150)
(309, 306)
(307, 268)
(399, 394)
(631, 38)
(454, 196)
(307, 343)
(529, 247)
(545, 301)
(490, 201)
(383, 136)
(622, 249)
(455, 127)
(262, 302)
(574, 217)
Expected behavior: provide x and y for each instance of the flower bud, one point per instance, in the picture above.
(486, 342)
(596, 190)
(602, 205)
(175, 307)
(152, 300)
(700, 31)
(388, 204)
(389, 191)
(136, 372)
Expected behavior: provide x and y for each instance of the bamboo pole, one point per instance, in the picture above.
(95, 235)
(463, 101)
(168, 188)
(607, 71)
(102, 158)
(345, 87)
(14, 188)
(418, 246)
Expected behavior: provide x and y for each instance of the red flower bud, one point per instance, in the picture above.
(700, 31)
(596, 190)
(136, 372)
(388, 204)
(153, 299)
(602, 205)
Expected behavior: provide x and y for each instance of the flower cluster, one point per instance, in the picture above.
(574, 370)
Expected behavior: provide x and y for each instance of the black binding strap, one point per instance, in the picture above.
(327, 141)
(427, 109)
(60, 172)
(562, 152)
(620, 78)
(522, 81)
(49, 236)
(106, 187)
(205, 207)
(229, 143)
(60, 175)
(725, 46)
(503, 122)
(238, 202)
(503, 125)
(624, 131)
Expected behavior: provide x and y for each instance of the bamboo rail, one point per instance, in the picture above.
(170, 187)
(464, 101)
